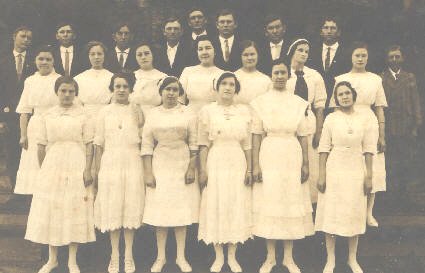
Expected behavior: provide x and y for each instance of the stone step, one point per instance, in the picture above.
(18, 251)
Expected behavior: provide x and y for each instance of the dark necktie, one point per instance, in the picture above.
(121, 59)
(20, 66)
(328, 59)
(67, 63)
(301, 88)
(226, 50)
(397, 76)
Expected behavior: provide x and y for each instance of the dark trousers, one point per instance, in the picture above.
(9, 142)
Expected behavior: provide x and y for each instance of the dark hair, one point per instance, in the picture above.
(294, 45)
(172, 19)
(44, 48)
(225, 12)
(125, 74)
(281, 61)
(272, 17)
(63, 24)
(394, 48)
(168, 80)
(226, 75)
(95, 43)
(248, 43)
(330, 18)
(144, 43)
(358, 44)
(21, 28)
(347, 84)
(117, 26)
(202, 38)
(66, 79)
(192, 9)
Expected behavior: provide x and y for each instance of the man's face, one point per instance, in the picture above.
(226, 25)
(65, 35)
(22, 39)
(122, 37)
(395, 59)
(197, 20)
(173, 31)
(275, 30)
(330, 32)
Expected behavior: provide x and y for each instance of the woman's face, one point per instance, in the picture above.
(227, 88)
(44, 63)
(66, 94)
(206, 52)
(144, 57)
(96, 57)
(249, 58)
(121, 90)
(344, 96)
(301, 53)
(170, 94)
(279, 76)
(359, 58)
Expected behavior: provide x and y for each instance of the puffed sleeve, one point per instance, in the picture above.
(88, 134)
(42, 133)
(246, 142)
(99, 135)
(24, 104)
(204, 127)
(148, 141)
(192, 132)
(325, 144)
(320, 94)
(257, 124)
(303, 128)
(380, 99)
(369, 137)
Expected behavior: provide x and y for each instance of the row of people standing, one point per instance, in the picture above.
(208, 118)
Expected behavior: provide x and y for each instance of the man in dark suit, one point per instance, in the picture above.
(330, 59)
(274, 46)
(15, 67)
(121, 56)
(197, 23)
(173, 55)
(227, 43)
(68, 59)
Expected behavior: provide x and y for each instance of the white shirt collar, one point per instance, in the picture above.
(64, 49)
(278, 44)
(394, 73)
(172, 48)
(195, 36)
(16, 53)
(230, 39)
(333, 47)
(117, 50)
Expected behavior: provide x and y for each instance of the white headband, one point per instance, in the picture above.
(295, 42)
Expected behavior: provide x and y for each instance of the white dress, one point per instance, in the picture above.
(370, 92)
(62, 207)
(93, 92)
(197, 82)
(120, 198)
(253, 84)
(341, 209)
(317, 99)
(169, 135)
(282, 210)
(146, 90)
(225, 215)
(37, 97)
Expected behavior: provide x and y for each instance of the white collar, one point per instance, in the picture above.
(117, 50)
(333, 47)
(63, 49)
(174, 47)
(16, 53)
(195, 36)
(278, 44)
(394, 73)
(229, 40)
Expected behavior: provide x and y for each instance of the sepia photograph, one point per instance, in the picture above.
(274, 136)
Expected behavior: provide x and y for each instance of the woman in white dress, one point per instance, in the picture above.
(197, 81)
(348, 143)
(120, 198)
(253, 82)
(280, 169)
(169, 152)
(308, 84)
(147, 77)
(370, 102)
(94, 82)
(224, 139)
(61, 211)
(37, 97)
